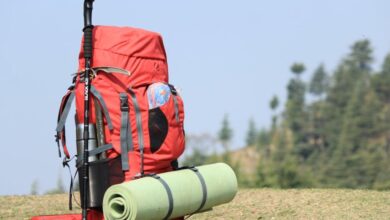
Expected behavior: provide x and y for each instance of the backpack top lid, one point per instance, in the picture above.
(138, 51)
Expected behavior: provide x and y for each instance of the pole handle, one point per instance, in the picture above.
(88, 6)
(88, 42)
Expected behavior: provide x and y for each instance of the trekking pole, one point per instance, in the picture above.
(87, 56)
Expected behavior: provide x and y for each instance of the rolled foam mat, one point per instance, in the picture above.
(172, 194)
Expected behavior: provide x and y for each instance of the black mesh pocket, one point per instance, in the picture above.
(102, 174)
(158, 128)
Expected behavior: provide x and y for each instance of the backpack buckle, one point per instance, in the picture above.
(124, 103)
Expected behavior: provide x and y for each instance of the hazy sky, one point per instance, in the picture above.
(226, 56)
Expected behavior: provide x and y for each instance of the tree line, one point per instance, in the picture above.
(333, 131)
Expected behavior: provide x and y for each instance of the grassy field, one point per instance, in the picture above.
(248, 204)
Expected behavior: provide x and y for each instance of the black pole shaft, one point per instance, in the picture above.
(87, 56)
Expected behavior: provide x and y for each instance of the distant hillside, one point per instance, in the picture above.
(247, 159)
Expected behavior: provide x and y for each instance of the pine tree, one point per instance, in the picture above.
(295, 103)
(60, 188)
(381, 81)
(298, 69)
(274, 103)
(251, 135)
(354, 156)
(319, 82)
(361, 55)
(353, 69)
(34, 188)
(340, 139)
(263, 140)
(225, 135)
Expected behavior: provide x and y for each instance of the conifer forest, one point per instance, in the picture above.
(333, 131)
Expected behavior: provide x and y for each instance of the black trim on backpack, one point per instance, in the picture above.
(158, 128)
(174, 93)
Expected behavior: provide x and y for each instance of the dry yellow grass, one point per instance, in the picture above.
(248, 204)
(304, 204)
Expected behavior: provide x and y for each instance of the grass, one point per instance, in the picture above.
(248, 204)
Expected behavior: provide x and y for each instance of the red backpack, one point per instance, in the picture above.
(136, 116)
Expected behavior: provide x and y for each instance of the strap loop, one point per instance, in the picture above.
(202, 182)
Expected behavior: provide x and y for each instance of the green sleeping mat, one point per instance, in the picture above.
(172, 194)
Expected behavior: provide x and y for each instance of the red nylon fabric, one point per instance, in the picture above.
(142, 54)
(139, 51)
(92, 215)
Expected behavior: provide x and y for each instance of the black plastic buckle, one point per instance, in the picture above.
(193, 168)
(57, 138)
(173, 89)
(65, 161)
(139, 175)
(124, 104)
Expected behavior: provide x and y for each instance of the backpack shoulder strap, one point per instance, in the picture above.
(66, 103)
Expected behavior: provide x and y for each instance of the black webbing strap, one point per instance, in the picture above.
(124, 105)
(204, 188)
(139, 128)
(94, 152)
(169, 194)
(99, 97)
(174, 93)
(65, 163)
(100, 149)
(202, 182)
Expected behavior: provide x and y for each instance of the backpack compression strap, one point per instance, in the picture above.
(139, 128)
(167, 189)
(125, 132)
(169, 192)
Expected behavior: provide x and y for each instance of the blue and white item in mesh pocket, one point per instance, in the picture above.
(158, 94)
